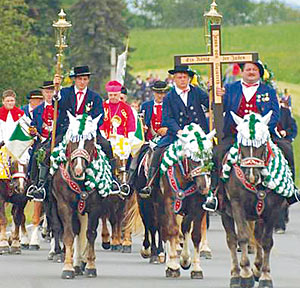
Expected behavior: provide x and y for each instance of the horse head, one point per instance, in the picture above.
(18, 177)
(197, 154)
(81, 138)
(253, 142)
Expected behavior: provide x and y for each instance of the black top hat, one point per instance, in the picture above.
(124, 90)
(81, 71)
(182, 69)
(259, 64)
(35, 94)
(47, 85)
(160, 87)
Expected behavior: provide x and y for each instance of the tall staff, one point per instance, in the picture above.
(60, 26)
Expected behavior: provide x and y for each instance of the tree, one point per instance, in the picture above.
(98, 25)
(19, 53)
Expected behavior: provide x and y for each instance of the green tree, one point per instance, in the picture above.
(98, 25)
(19, 51)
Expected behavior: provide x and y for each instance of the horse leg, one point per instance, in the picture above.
(231, 239)
(247, 278)
(258, 251)
(17, 218)
(205, 251)
(252, 244)
(145, 215)
(66, 214)
(197, 272)
(93, 221)
(34, 243)
(265, 279)
(185, 256)
(154, 255)
(105, 234)
(180, 236)
(128, 211)
(4, 245)
(24, 234)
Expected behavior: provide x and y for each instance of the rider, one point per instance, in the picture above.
(77, 99)
(242, 97)
(35, 98)
(181, 106)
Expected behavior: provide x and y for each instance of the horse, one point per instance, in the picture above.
(184, 182)
(250, 186)
(12, 190)
(81, 180)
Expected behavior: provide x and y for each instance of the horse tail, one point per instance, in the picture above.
(133, 221)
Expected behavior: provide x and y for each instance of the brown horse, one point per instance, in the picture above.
(68, 187)
(12, 190)
(247, 199)
(183, 187)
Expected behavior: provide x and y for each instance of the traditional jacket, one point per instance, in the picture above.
(8, 121)
(176, 115)
(25, 108)
(262, 102)
(118, 119)
(92, 105)
(152, 120)
(43, 118)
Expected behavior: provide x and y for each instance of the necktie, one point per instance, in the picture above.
(79, 95)
(185, 90)
(247, 85)
(158, 111)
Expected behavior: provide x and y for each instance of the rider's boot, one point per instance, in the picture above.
(294, 199)
(38, 192)
(211, 203)
(115, 187)
(153, 181)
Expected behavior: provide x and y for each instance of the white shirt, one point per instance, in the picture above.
(249, 92)
(183, 93)
(79, 101)
(155, 107)
(30, 110)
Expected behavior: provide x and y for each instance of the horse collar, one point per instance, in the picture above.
(180, 194)
(75, 187)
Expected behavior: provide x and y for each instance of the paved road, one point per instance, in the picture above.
(116, 270)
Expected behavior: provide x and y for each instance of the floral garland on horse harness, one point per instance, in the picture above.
(98, 173)
(277, 175)
(178, 152)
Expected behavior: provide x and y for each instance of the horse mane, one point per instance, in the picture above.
(193, 144)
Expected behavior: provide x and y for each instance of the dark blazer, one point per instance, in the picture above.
(287, 123)
(176, 115)
(232, 99)
(148, 108)
(68, 102)
(37, 120)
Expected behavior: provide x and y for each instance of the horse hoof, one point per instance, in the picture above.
(265, 284)
(185, 264)
(58, 258)
(154, 260)
(116, 248)
(126, 249)
(206, 254)
(145, 253)
(34, 247)
(171, 273)
(106, 245)
(162, 258)
(50, 256)
(91, 273)
(239, 249)
(15, 250)
(78, 271)
(68, 275)
(251, 250)
(247, 282)
(196, 275)
(24, 246)
(235, 282)
(4, 250)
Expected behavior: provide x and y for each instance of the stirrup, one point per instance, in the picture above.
(125, 189)
(30, 190)
(35, 193)
(117, 186)
(211, 204)
(145, 192)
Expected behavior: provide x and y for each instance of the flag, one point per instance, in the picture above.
(121, 67)
(19, 142)
(139, 138)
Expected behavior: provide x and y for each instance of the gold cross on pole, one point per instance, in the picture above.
(216, 58)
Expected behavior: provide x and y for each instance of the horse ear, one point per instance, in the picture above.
(96, 120)
(211, 134)
(266, 119)
(72, 119)
(237, 119)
